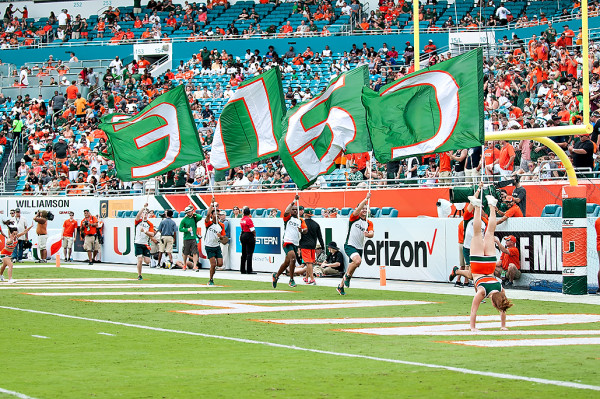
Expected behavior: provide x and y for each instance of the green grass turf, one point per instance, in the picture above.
(77, 362)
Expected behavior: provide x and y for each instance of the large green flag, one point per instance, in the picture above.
(250, 124)
(437, 109)
(152, 142)
(317, 131)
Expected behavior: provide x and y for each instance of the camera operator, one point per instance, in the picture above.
(88, 231)
(42, 218)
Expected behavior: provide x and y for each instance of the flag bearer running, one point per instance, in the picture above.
(359, 228)
(212, 240)
(294, 227)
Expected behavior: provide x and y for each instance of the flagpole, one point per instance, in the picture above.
(417, 55)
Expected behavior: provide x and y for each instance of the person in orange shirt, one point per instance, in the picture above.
(71, 92)
(505, 164)
(445, 170)
(146, 34)
(68, 235)
(508, 267)
(298, 60)
(88, 234)
(516, 113)
(491, 155)
(98, 134)
(360, 159)
(513, 210)
(288, 28)
(100, 27)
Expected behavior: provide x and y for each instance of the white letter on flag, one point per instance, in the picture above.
(170, 130)
(446, 93)
(340, 123)
(256, 101)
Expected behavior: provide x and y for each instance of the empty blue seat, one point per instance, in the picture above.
(346, 211)
(552, 210)
(389, 212)
(259, 213)
(375, 212)
(591, 208)
(120, 214)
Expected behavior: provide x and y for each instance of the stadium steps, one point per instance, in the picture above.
(11, 183)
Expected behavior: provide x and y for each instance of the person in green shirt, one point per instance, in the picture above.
(17, 126)
(180, 178)
(354, 176)
(550, 33)
(188, 226)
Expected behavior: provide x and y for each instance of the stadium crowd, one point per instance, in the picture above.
(530, 83)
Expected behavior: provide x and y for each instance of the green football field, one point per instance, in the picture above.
(72, 333)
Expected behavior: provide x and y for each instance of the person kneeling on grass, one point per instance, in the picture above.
(9, 247)
(215, 231)
(509, 265)
(144, 231)
(483, 265)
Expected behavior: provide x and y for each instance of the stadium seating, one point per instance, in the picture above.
(591, 209)
(375, 212)
(388, 212)
(346, 212)
(259, 213)
(552, 210)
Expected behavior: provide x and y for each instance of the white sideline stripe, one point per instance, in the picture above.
(566, 384)
(119, 293)
(102, 286)
(40, 336)
(72, 280)
(16, 394)
(110, 335)
(531, 342)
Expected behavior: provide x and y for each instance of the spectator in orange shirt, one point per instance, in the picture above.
(71, 92)
(445, 170)
(430, 47)
(490, 155)
(63, 182)
(513, 210)
(506, 159)
(288, 28)
(298, 60)
(508, 267)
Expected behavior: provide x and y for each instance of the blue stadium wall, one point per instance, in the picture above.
(184, 50)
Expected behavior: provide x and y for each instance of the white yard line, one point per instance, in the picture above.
(15, 394)
(512, 377)
(124, 293)
(40, 336)
(110, 335)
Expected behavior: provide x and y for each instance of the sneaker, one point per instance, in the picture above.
(210, 282)
(459, 284)
(347, 281)
(491, 200)
(474, 201)
(196, 269)
(184, 267)
(12, 281)
(167, 265)
(453, 273)
(312, 282)
(340, 289)
(275, 278)
(305, 279)
(90, 263)
(1, 278)
(292, 283)
(140, 277)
